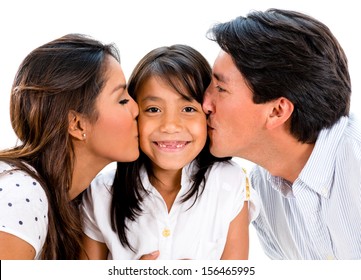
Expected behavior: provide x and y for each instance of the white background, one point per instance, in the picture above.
(137, 26)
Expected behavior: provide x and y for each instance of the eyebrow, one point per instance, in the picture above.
(118, 87)
(151, 98)
(220, 77)
(155, 98)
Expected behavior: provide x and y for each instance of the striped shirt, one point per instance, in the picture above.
(319, 215)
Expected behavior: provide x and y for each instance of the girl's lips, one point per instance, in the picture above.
(171, 145)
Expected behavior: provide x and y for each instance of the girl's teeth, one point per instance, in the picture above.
(170, 146)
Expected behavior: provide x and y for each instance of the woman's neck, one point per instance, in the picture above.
(85, 170)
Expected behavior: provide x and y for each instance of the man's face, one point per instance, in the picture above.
(235, 122)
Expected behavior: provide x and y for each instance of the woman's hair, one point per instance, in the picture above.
(186, 71)
(288, 54)
(60, 76)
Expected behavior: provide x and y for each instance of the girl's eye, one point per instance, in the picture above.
(220, 89)
(152, 110)
(123, 101)
(189, 109)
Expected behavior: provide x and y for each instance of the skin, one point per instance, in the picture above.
(227, 94)
(14, 248)
(256, 132)
(237, 244)
(99, 251)
(172, 132)
(112, 137)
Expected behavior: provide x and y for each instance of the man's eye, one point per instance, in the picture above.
(220, 89)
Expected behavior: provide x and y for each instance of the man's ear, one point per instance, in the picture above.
(76, 125)
(280, 111)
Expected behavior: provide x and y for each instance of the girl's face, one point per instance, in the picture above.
(114, 135)
(172, 130)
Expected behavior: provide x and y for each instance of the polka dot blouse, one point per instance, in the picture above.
(23, 207)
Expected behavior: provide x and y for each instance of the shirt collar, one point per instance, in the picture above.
(281, 185)
(318, 172)
(186, 179)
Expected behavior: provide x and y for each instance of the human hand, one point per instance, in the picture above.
(151, 256)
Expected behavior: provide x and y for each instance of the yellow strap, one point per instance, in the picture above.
(248, 192)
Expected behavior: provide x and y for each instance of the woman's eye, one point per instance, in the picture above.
(123, 101)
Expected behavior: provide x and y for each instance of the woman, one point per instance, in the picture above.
(72, 113)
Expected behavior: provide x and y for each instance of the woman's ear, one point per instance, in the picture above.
(280, 112)
(76, 125)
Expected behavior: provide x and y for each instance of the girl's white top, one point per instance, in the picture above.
(186, 232)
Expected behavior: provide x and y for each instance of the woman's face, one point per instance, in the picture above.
(172, 130)
(114, 135)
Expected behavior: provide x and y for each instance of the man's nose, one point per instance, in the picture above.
(207, 103)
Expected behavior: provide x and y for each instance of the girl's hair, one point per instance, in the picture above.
(63, 75)
(185, 70)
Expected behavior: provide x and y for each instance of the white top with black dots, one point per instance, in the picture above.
(23, 207)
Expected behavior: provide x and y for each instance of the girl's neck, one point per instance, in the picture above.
(167, 183)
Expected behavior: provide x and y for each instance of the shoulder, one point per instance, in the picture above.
(101, 185)
(229, 183)
(259, 177)
(343, 140)
(228, 170)
(227, 176)
(104, 179)
(16, 181)
(353, 129)
(23, 206)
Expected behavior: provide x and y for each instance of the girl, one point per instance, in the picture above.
(72, 113)
(176, 200)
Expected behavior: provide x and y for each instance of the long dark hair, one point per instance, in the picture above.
(188, 72)
(63, 75)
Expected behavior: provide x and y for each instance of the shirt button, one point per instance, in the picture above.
(166, 232)
(324, 191)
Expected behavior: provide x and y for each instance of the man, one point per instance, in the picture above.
(280, 97)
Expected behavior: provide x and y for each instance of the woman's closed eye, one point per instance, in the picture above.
(123, 101)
